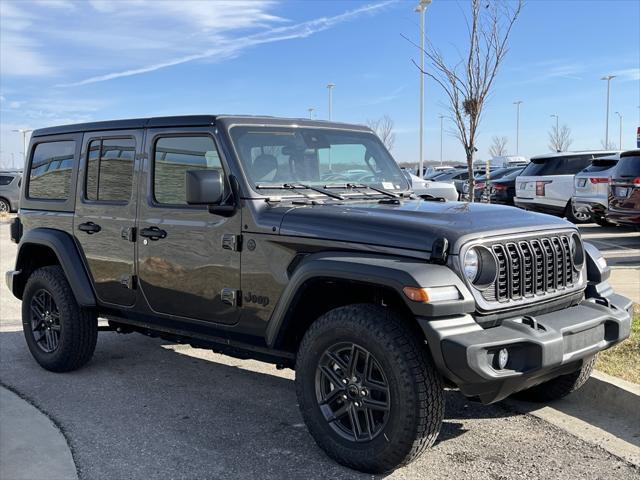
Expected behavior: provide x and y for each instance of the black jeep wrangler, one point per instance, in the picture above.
(299, 242)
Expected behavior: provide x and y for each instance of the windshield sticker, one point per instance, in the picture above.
(387, 185)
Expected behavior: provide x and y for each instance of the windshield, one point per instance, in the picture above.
(273, 156)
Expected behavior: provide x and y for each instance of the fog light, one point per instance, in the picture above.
(503, 358)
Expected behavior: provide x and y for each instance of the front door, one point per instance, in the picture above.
(185, 268)
(106, 211)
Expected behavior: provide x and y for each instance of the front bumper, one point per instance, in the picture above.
(540, 347)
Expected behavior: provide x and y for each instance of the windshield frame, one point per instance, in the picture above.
(291, 193)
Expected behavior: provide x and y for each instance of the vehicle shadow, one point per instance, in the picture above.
(145, 408)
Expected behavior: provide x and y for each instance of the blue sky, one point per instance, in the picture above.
(63, 62)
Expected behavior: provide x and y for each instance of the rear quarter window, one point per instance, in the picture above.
(51, 169)
(5, 180)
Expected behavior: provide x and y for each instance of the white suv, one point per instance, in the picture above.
(592, 189)
(547, 184)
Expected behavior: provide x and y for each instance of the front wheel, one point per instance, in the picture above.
(59, 333)
(367, 388)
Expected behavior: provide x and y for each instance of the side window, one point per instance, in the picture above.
(109, 174)
(173, 156)
(51, 168)
(5, 180)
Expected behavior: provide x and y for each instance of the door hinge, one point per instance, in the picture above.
(231, 242)
(128, 234)
(129, 281)
(229, 296)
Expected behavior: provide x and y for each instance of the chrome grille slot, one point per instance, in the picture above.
(531, 269)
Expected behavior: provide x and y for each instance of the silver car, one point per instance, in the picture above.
(591, 194)
(10, 183)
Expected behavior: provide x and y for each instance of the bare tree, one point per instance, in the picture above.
(383, 127)
(467, 81)
(498, 146)
(560, 138)
(608, 146)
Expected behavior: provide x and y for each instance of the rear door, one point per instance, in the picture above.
(106, 210)
(188, 258)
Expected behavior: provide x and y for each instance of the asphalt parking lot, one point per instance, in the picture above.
(144, 408)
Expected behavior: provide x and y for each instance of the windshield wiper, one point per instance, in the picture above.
(295, 186)
(352, 186)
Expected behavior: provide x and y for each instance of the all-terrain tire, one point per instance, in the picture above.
(416, 397)
(78, 326)
(560, 386)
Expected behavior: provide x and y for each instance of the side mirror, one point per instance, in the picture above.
(204, 187)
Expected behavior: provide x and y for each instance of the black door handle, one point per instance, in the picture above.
(89, 228)
(153, 233)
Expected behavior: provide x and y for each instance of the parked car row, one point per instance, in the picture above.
(599, 186)
(10, 183)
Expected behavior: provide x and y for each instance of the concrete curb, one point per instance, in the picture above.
(612, 393)
(31, 445)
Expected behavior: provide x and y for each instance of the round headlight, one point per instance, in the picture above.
(577, 251)
(471, 264)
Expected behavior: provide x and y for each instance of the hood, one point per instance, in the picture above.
(413, 224)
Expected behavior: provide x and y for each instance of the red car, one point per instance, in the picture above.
(624, 190)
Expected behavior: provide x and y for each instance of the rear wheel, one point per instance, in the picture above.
(603, 222)
(576, 217)
(5, 207)
(560, 386)
(59, 333)
(367, 388)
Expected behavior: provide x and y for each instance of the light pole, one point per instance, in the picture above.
(421, 9)
(606, 128)
(441, 117)
(330, 86)
(24, 132)
(620, 139)
(311, 109)
(517, 104)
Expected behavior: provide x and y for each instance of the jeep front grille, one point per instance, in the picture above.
(531, 268)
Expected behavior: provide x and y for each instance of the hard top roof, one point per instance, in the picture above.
(190, 121)
(571, 154)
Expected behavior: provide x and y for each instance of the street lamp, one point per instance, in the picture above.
(330, 86)
(606, 128)
(441, 117)
(556, 117)
(620, 139)
(24, 132)
(310, 110)
(421, 9)
(517, 104)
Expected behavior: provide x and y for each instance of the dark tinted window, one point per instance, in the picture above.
(110, 169)
(5, 179)
(51, 167)
(173, 157)
(569, 165)
(628, 167)
(600, 165)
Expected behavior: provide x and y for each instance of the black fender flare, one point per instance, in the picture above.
(390, 272)
(65, 249)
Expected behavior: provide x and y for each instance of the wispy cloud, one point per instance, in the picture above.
(385, 98)
(230, 47)
(628, 74)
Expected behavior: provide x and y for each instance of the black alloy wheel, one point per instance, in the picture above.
(352, 392)
(45, 321)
